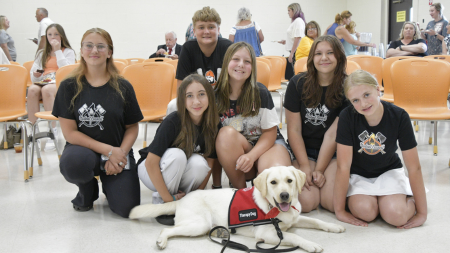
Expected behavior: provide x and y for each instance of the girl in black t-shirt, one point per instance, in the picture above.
(179, 159)
(249, 140)
(313, 102)
(99, 114)
(367, 138)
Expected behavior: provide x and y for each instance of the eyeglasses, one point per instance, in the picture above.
(90, 46)
(312, 29)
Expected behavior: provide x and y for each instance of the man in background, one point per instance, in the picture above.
(170, 50)
(44, 22)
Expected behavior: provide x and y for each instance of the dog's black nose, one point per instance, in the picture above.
(284, 196)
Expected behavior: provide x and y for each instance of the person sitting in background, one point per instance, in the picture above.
(351, 49)
(312, 31)
(6, 42)
(248, 31)
(435, 31)
(170, 50)
(56, 53)
(409, 43)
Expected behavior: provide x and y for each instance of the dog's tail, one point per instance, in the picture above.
(152, 210)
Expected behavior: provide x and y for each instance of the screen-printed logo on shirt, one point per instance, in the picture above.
(317, 116)
(372, 144)
(209, 75)
(91, 116)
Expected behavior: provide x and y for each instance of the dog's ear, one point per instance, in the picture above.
(300, 177)
(260, 183)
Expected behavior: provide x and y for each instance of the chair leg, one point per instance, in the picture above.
(33, 142)
(5, 144)
(435, 149)
(25, 154)
(145, 134)
(430, 139)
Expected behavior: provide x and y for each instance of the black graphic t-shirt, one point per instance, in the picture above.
(251, 127)
(165, 136)
(192, 60)
(398, 43)
(374, 147)
(99, 112)
(315, 121)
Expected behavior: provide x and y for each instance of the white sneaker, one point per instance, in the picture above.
(50, 145)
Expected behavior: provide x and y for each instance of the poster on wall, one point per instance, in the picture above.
(401, 16)
(430, 2)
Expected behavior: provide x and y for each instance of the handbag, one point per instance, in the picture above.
(12, 136)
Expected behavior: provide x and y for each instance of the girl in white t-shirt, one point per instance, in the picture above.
(295, 30)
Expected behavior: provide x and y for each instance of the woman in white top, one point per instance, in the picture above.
(56, 53)
(295, 30)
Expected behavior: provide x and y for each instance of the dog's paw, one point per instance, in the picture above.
(161, 243)
(311, 247)
(335, 228)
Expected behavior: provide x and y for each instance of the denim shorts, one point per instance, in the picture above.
(282, 142)
(312, 153)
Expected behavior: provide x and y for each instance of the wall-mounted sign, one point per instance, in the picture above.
(430, 2)
(401, 16)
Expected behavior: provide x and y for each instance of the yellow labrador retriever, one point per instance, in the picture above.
(199, 211)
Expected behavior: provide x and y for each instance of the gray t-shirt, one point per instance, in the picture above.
(433, 43)
(5, 38)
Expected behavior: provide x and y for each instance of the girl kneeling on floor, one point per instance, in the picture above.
(179, 158)
(99, 115)
(249, 140)
(313, 102)
(367, 138)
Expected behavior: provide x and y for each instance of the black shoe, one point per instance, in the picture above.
(167, 220)
(82, 208)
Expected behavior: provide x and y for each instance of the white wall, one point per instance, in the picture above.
(421, 11)
(138, 26)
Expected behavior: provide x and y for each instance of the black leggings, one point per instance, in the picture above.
(79, 165)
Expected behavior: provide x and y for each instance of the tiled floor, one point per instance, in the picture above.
(38, 217)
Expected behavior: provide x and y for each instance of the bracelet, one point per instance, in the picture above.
(110, 152)
(174, 199)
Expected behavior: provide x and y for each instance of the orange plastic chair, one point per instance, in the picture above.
(440, 57)
(120, 65)
(371, 64)
(122, 60)
(351, 67)
(152, 83)
(60, 75)
(14, 63)
(267, 61)
(262, 73)
(28, 66)
(275, 81)
(174, 84)
(159, 59)
(300, 65)
(422, 95)
(388, 95)
(13, 86)
(135, 60)
(283, 70)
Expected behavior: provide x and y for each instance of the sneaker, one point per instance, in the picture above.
(82, 208)
(168, 220)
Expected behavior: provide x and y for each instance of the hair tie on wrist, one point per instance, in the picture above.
(174, 199)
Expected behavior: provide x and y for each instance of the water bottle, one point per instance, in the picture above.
(382, 53)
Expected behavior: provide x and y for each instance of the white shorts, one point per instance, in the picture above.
(391, 182)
